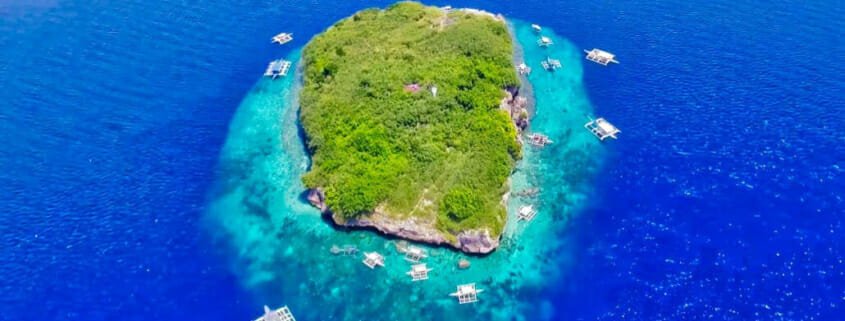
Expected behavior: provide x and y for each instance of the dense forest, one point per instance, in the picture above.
(381, 137)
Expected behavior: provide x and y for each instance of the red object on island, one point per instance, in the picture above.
(414, 88)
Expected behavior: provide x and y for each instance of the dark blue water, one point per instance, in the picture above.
(722, 199)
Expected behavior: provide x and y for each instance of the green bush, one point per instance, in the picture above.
(461, 203)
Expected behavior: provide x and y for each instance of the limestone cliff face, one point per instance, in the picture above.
(317, 198)
(412, 228)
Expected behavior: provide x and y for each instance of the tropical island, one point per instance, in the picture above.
(411, 119)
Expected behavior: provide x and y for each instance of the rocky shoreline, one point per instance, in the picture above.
(412, 228)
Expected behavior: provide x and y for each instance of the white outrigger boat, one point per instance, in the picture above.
(277, 68)
(545, 41)
(551, 64)
(280, 314)
(539, 140)
(526, 213)
(373, 260)
(282, 38)
(466, 293)
(600, 57)
(602, 128)
(523, 69)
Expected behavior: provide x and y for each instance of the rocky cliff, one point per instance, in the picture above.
(412, 228)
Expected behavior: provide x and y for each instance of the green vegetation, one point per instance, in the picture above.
(377, 144)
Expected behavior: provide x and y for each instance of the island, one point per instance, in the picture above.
(412, 118)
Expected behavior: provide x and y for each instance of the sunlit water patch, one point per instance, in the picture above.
(281, 247)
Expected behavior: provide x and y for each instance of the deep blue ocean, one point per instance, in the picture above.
(722, 199)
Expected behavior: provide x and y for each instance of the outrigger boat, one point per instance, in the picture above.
(526, 213)
(466, 293)
(277, 68)
(600, 57)
(551, 64)
(373, 259)
(544, 41)
(539, 140)
(602, 128)
(280, 314)
(523, 69)
(282, 38)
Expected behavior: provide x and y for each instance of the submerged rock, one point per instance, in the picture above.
(463, 264)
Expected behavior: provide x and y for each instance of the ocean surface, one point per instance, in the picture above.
(150, 173)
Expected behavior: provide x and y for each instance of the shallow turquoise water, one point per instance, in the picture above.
(721, 200)
(280, 245)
